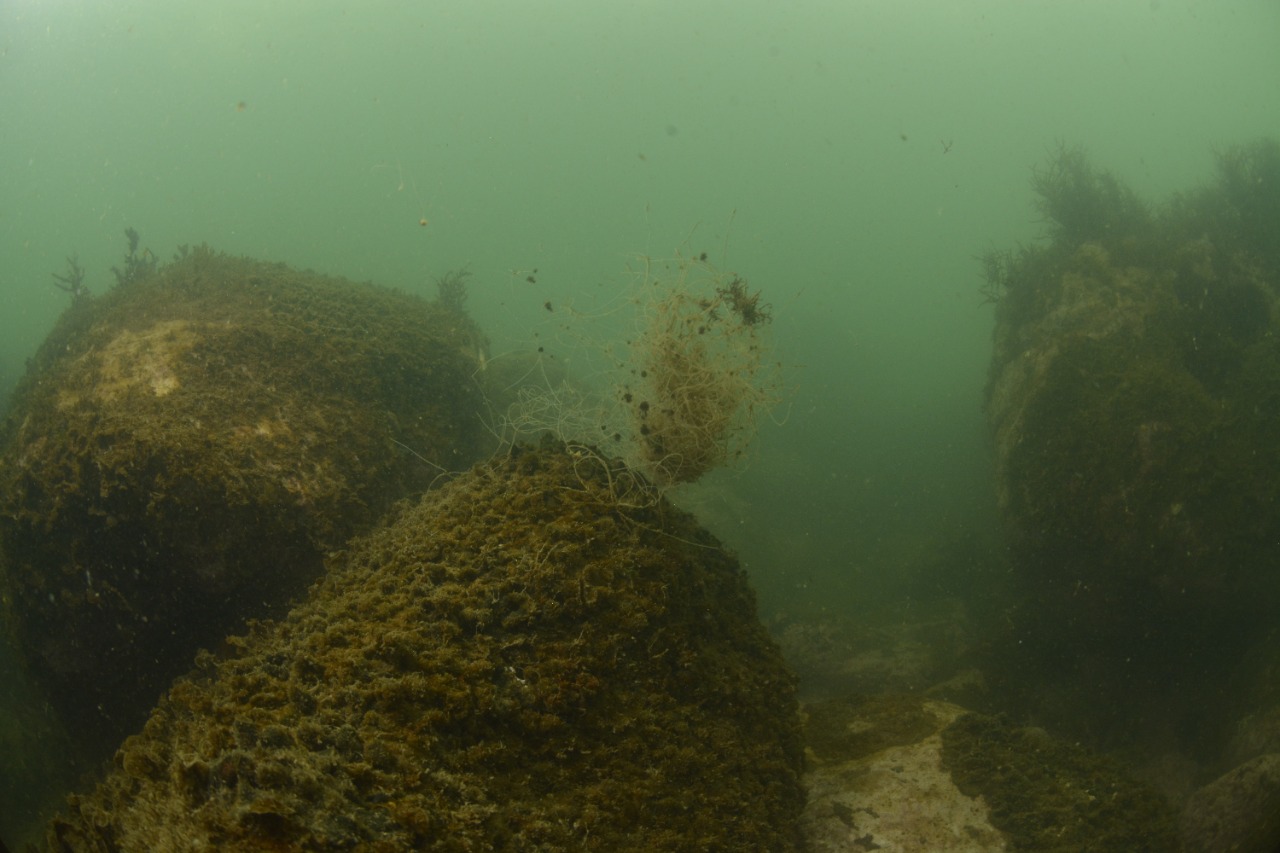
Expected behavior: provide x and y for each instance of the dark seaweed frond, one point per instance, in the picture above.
(1084, 204)
(137, 265)
(451, 290)
(73, 281)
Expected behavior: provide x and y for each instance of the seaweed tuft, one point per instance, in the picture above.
(137, 265)
(1084, 204)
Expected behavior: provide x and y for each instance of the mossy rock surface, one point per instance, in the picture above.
(847, 729)
(521, 661)
(1133, 402)
(1046, 795)
(185, 449)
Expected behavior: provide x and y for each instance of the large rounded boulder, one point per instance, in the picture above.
(1134, 403)
(186, 448)
(542, 655)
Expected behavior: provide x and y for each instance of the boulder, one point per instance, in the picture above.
(185, 449)
(1239, 810)
(541, 655)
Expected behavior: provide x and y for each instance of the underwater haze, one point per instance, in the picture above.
(850, 159)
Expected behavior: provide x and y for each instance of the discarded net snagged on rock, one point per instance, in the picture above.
(518, 662)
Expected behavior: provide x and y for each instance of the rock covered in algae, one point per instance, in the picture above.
(1045, 794)
(1133, 400)
(532, 658)
(185, 448)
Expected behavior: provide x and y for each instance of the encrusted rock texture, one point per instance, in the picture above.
(186, 447)
(531, 658)
(1133, 403)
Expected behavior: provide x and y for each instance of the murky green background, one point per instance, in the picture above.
(853, 157)
(850, 158)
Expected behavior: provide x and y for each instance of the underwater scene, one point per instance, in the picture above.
(702, 426)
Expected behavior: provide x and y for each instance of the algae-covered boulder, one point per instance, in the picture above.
(185, 448)
(1045, 794)
(528, 659)
(901, 772)
(1135, 406)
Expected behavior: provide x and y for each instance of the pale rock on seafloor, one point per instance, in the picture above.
(898, 799)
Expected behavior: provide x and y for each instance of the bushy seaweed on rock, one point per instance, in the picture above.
(1081, 202)
(1133, 403)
